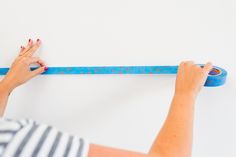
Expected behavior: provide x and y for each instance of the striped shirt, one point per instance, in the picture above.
(27, 138)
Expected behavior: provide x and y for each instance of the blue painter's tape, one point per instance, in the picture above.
(216, 77)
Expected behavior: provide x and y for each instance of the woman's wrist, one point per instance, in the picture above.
(5, 87)
(186, 95)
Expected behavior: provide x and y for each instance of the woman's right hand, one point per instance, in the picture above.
(20, 71)
(191, 77)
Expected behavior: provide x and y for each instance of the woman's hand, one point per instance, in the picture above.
(191, 77)
(20, 71)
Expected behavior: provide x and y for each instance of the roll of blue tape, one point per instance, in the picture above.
(216, 77)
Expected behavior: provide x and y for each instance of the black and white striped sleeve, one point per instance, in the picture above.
(26, 138)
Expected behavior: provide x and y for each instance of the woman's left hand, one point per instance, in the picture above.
(20, 71)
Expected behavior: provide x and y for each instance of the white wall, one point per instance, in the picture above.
(124, 111)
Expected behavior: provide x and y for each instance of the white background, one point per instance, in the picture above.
(124, 111)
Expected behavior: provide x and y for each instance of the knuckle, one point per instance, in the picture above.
(182, 63)
(189, 62)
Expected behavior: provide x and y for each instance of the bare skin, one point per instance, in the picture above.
(176, 135)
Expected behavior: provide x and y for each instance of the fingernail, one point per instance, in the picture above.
(29, 40)
(21, 47)
(38, 41)
(45, 68)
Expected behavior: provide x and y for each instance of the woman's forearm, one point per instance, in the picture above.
(175, 137)
(4, 94)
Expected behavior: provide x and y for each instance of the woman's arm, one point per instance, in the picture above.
(175, 137)
(20, 72)
(104, 151)
(4, 94)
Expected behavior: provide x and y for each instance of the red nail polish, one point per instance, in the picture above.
(29, 40)
(38, 41)
(45, 68)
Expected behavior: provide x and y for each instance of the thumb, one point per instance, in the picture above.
(207, 67)
(38, 71)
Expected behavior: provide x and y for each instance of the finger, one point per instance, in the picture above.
(207, 67)
(189, 63)
(33, 49)
(29, 46)
(182, 63)
(38, 71)
(37, 60)
(21, 50)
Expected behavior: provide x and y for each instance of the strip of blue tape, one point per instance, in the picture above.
(216, 77)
